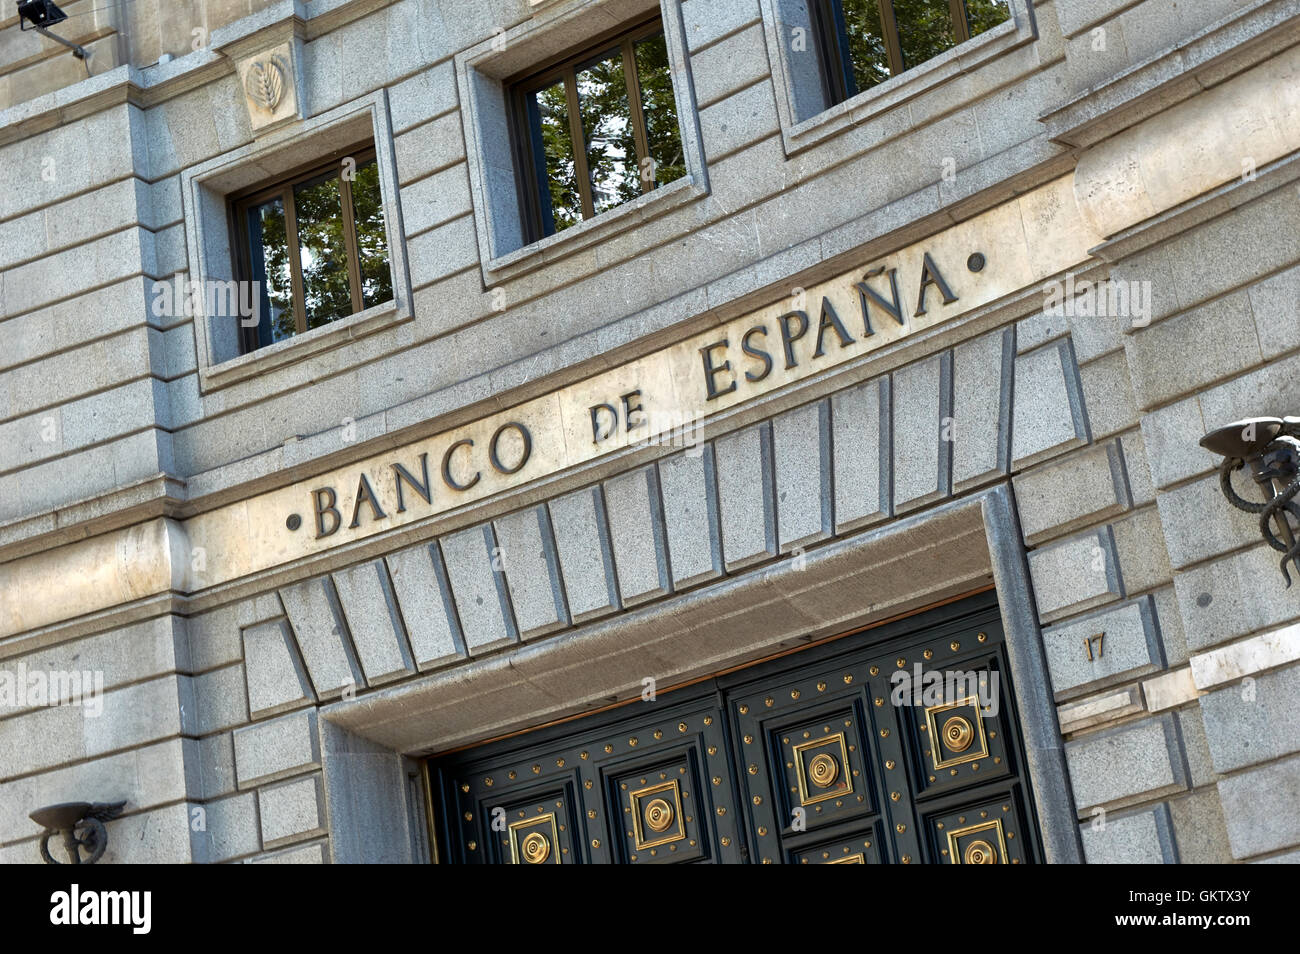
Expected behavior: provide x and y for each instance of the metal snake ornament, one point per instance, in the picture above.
(1271, 448)
(82, 826)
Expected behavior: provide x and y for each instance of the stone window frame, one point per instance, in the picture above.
(481, 72)
(799, 88)
(205, 189)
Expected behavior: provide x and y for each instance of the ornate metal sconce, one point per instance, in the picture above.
(1271, 447)
(82, 826)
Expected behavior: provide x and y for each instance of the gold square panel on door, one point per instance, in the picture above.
(535, 841)
(860, 848)
(956, 743)
(660, 805)
(988, 830)
(534, 830)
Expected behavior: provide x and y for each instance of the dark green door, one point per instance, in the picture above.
(897, 744)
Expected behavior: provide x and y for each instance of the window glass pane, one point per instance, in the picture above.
(924, 29)
(982, 14)
(866, 39)
(553, 152)
(607, 126)
(327, 291)
(372, 242)
(269, 254)
(659, 108)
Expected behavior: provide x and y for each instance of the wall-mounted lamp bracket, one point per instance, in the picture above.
(82, 826)
(1270, 446)
(43, 14)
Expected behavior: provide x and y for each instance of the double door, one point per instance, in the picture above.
(899, 744)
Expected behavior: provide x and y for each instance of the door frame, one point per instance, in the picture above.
(885, 572)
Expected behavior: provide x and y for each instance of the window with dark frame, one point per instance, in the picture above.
(314, 245)
(865, 42)
(613, 99)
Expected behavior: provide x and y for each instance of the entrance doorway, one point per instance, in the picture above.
(896, 744)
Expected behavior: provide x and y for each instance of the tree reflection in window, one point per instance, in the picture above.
(618, 106)
(865, 42)
(317, 251)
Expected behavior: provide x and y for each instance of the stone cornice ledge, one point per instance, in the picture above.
(1217, 53)
(163, 81)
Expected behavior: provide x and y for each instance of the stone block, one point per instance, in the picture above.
(1048, 415)
(1170, 689)
(1196, 746)
(922, 405)
(147, 776)
(981, 409)
(1234, 595)
(1108, 394)
(370, 608)
(862, 454)
(801, 448)
(1133, 762)
(478, 586)
(1231, 250)
(1287, 858)
(586, 559)
(220, 698)
(214, 637)
(1271, 390)
(276, 749)
(1071, 492)
(532, 571)
(1075, 574)
(1099, 709)
(1137, 469)
(1129, 646)
(291, 811)
(153, 647)
(215, 765)
(276, 678)
(736, 62)
(745, 499)
(1273, 305)
(429, 148)
(737, 121)
(425, 95)
(1200, 831)
(636, 529)
(232, 829)
(438, 198)
(317, 624)
(1199, 523)
(706, 21)
(313, 854)
(1258, 808)
(1145, 838)
(694, 536)
(1172, 434)
(1252, 721)
(1247, 657)
(1140, 546)
(428, 609)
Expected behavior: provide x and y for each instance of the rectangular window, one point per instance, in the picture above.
(314, 246)
(596, 129)
(865, 42)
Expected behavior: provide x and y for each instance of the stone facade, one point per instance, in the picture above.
(267, 699)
